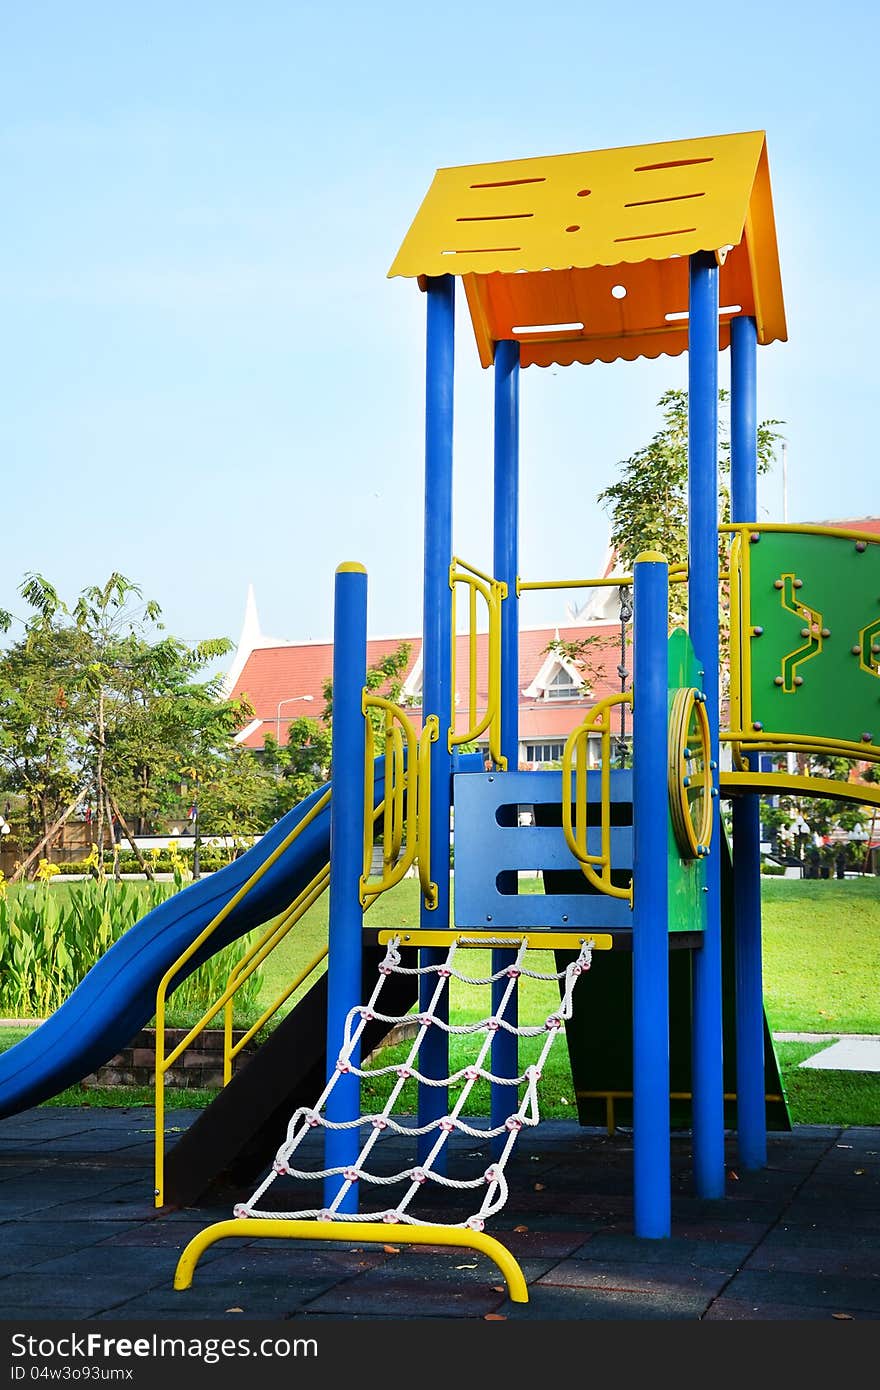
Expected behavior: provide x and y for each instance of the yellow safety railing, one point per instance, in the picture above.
(256, 956)
(678, 574)
(165, 1061)
(277, 930)
(406, 808)
(596, 867)
(493, 592)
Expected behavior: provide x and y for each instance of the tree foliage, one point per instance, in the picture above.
(648, 503)
(96, 696)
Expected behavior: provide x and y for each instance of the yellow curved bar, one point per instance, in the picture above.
(598, 720)
(362, 1232)
(430, 734)
(403, 769)
(780, 783)
(492, 592)
(163, 1063)
(847, 533)
(745, 742)
(692, 840)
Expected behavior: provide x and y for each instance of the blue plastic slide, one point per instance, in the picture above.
(118, 996)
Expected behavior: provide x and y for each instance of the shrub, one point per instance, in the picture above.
(50, 941)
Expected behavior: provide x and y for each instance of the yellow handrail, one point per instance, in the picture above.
(256, 955)
(493, 592)
(163, 1061)
(407, 803)
(677, 575)
(597, 721)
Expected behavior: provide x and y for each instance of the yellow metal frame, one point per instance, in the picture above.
(493, 592)
(597, 721)
(255, 957)
(165, 1061)
(406, 808)
(360, 1232)
(610, 1097)
(678, 574)
(693, 841)
(741, 736)
(476, 940)
(776, 783)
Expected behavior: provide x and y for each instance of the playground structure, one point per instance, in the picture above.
(653, 919)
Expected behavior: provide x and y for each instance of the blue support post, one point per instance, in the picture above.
(707, 1061)
(652, 1174)
(437, 660)
(344, 959)
(505, 1051)
(751, 1112)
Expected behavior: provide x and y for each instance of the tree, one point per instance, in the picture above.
(648, 504)
(40, 746)
(302, 764)
(96, 695)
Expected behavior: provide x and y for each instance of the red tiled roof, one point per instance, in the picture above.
(870, 524)
(286, 673)
(290, 671)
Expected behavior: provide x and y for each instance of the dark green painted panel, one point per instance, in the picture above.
(827, 690)
(600, 1032)
(687, 901)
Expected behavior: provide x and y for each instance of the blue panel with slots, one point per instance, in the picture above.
(486, 850)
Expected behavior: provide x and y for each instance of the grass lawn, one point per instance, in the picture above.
(821, 966)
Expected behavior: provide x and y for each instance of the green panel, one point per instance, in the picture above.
(600, 1032)
(825, 684)
(687, 901)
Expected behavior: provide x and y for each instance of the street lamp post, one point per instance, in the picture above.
(197, 868)
(290, 701)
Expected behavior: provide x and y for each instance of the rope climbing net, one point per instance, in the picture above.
(306, 1120)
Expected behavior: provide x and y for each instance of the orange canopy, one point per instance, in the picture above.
(584, 257)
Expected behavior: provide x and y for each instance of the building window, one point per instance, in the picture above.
(544, 752)
(561, 686)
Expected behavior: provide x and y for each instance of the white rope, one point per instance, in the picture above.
(419, 1176)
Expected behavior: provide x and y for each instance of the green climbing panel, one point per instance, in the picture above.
(687, 901)
(599, 1033)
(813, 637)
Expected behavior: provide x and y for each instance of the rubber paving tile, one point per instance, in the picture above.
(663, 1280)
(80, 1237)
(552, 1302)
(698, 1254)
(832, 1291)
(740, 1310)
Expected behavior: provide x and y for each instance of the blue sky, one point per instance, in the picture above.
(208, 378)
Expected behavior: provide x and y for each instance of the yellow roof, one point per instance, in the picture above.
(583, 257)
